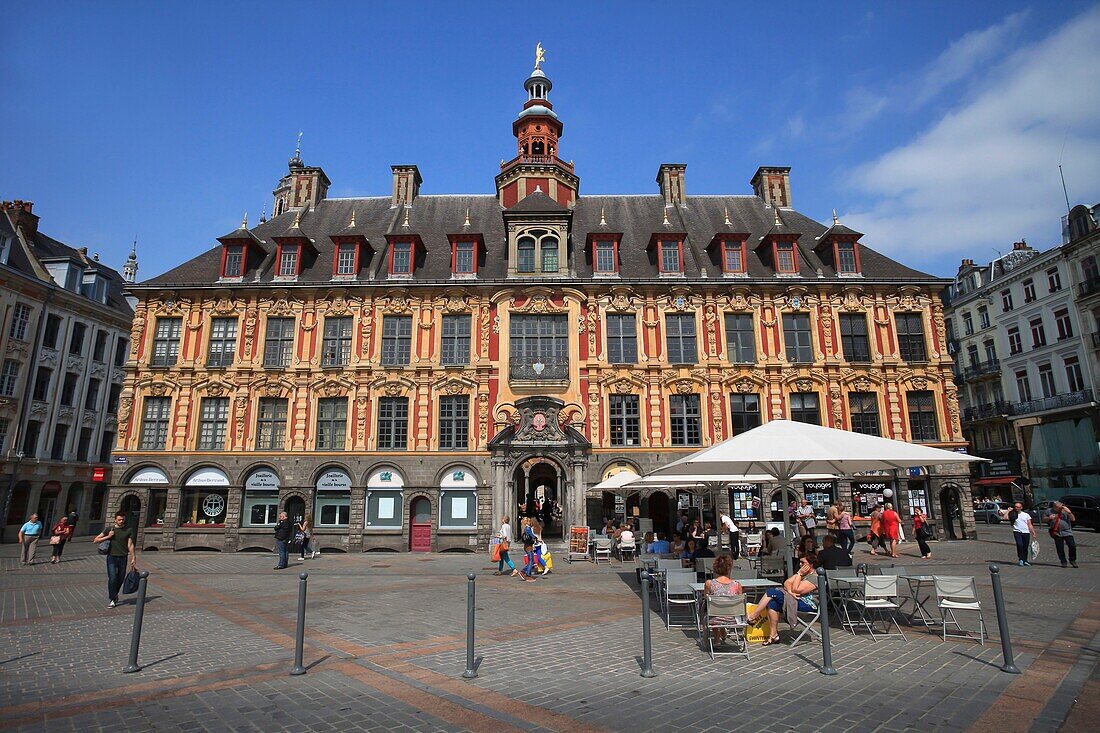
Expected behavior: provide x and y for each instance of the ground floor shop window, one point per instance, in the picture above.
(203, 507)
(918, 498)
(821, 495)
(458, 509)
(742, 498)
(261, 508)
(332, 509)
(384, 509)
(158, 503)
(866, 495)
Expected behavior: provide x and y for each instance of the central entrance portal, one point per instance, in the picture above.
(538, 492)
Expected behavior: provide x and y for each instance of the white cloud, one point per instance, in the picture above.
(986, 173)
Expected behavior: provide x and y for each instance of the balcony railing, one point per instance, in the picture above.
(1089, 287)
(1070, 399)
(986, 412)
(542, 159)
(548, 369)
(983, 368)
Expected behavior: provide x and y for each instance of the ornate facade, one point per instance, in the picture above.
(406, 369)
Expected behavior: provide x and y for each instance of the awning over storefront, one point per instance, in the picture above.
(996, 480)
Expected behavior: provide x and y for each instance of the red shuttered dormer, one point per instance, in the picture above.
(668, 251)
(602, 249)
(405, 252)
(731, 252)
(779, 248)
(291, 254)
(839, 247)
(467, 254)
(242, 251)
(351, 252)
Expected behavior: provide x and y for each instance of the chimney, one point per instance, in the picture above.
(965, 265)
(670, 179)
(22, 217)
(1021, 245)
(773, 184)
(406, 184)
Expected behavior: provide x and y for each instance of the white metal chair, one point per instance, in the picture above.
(628, 548)
(807, 622)
(752, 544)
(958, 593)
(679, 595)
(878, 599)
(705, 565)
(772, 567)
(726, 615)
(602, 550)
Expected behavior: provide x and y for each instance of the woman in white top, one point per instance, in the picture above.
(505, 535)
(1023, 531)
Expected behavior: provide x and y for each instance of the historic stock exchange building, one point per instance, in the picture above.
(407, 369)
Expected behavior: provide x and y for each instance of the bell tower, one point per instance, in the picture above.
(537, 165)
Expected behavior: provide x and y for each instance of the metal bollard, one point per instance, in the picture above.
(647, 642)
(139, 616)
(861, 569)
(826, 642)
(300, 633)
(1002, 621)
(471, 669)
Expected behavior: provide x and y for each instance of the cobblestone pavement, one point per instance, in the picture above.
(385, 649)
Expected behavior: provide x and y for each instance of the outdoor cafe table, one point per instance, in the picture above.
(916, 582)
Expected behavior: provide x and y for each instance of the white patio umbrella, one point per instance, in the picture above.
(618, 484)
(783, 449)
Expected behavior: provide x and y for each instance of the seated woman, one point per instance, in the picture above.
(677, 547)
(687, 557)
(647, 543)
(803, 585)
(722, 585)
(806, 545)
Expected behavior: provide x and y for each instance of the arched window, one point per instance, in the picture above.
(549, 254)
(525, 261)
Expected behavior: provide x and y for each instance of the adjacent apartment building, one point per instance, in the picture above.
(64, 337)
(409, 368)
(1023, 331)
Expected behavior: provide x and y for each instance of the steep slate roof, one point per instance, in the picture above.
(638, 217)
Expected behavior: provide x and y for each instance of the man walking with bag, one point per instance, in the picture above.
(283, 532)
(121, 547)
(1061, 529)
(1023, 531)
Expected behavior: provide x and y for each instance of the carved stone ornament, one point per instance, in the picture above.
(393, 389)
(6, 403)
(47, 357)
(38, 408)
(224, 305)
(158, 390)
(216, 389)
(920, 383)
(536, 304)
(861, 384)
(337, 303)
(361, 403)
(803, 385)
(171, 304)
(483, 418)
(74, 363)
(744, 385)
(280, 304)
(398, 303)
(456, 303)
(18, 348)
(453, 387)
(240, 405)
(65, 413)
(484, 328)
(251, 317)
(539, 425)
(622, 301)
(88, 419)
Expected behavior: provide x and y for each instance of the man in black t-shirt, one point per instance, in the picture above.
(121, 547)
(283, 534)
(832, 557)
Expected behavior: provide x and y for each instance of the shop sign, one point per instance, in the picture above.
(207, 477)
(825, 487)
(870, 486)
(386, 478)
(149, 475)
(262, 479)
(334, 480)
(120, 460)
(99, 473)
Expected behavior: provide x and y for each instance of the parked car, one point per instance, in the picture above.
(1041, 511)
(1086, 510)
(992, 512)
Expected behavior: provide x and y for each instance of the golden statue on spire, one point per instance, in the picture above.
(540, 55)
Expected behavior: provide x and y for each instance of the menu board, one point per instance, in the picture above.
(578, 542)
(742, 502)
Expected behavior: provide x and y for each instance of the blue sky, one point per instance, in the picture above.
(936, 128)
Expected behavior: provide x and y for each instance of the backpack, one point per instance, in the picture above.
(529, 534)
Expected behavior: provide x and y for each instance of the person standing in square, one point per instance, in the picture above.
(1061, 529)
(29, 535)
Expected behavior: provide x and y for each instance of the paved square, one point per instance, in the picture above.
(385, 645)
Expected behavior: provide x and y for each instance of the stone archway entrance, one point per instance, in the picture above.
(538, 485)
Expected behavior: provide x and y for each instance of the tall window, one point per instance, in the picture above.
(1023, 385)
(990, 351)
(396, 340)
(797, 337)
(271, 424)
(336, 349)
(113, 394)
(154, 423)
(670, 256)
(983, 317)
(5, 426)
(332, 423)
(120, 351)
(910, 328)
(223, 342)
(30, 438)
(549, 247)
(1015, 344)
(684, 420)
(1054, 280)
(680, 337)
(1038, 333)
(57, 448)
(853, 337)
(454, 422)
(41, 390)
(623, 413)
(784, 258)
(734, 257)
(166, 342)
(345, 259)
(393, 423)
(1063, 323)
(622, 338)
(605, 257)
(455, 345)
(740, 338)
(50, 333)
(539, 340)
(20, 318)
(863, 409)
(968, 323)
(288, 260)
(922, 415)
(805, 408)
(8, 377)
(234, 261)
(91, 397)
(525, 254)
(68, 388)
(1073, 374)
(1029, 290)
(213, 418)
(278, 342)
(1046, 380)
(464, 258)
(76, 342)
(744, 412)
(846, 258)
(1006, 300)
(84, 444)
(99, 349)
(972, 353)
(402, 258)
(1090, 269)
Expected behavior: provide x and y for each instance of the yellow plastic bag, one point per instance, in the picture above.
(548, 560)
(757, 632)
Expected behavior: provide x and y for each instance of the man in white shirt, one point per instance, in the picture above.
(735, 534)
(1023, 531)
(806, 520)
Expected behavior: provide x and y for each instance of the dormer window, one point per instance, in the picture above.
(289, 258)
(465, 263)
(550, 262)
(670, 256)
(786, 258)
(733, 259)
(846, 260)
(401, 258)
(233, 261)
(347, 259)
(525, 254)
(606, 259)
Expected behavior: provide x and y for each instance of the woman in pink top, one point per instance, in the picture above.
(891, 526)
(845, 529)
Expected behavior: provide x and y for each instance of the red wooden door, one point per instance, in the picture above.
(420, 526)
